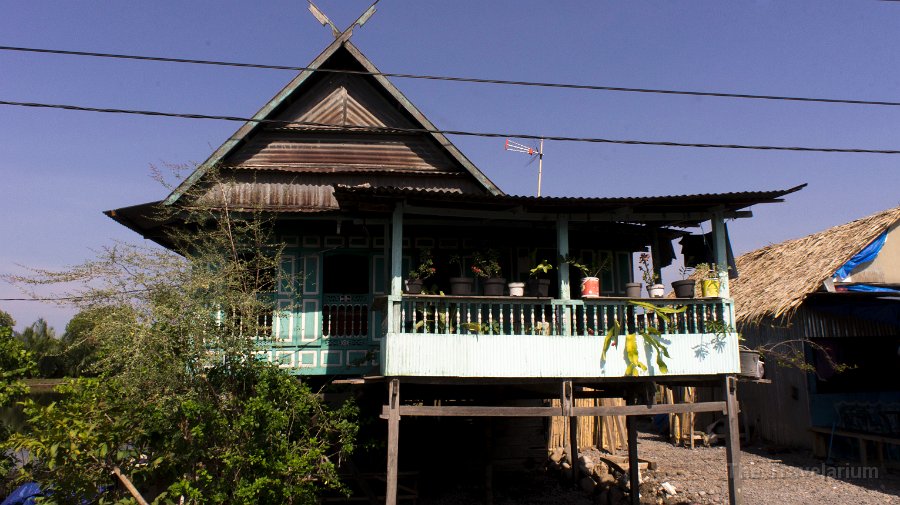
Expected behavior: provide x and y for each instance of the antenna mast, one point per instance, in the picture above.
(530, 151)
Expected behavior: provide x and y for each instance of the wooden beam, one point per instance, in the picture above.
(393, 441)
(609, 410)
(640, 410)
(733, 443)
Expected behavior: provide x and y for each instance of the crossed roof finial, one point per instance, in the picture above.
(322, 18)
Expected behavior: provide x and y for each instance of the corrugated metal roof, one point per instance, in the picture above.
(704, 202)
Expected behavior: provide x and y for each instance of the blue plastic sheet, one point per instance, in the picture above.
(869, 253)
(866, 288)
(24, 495)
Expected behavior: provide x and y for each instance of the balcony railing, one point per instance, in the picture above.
(452, 336)
(451, 315)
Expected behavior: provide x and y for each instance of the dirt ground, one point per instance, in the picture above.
(699, 477)
(769, 477)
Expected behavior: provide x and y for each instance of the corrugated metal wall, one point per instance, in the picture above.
(779, 412)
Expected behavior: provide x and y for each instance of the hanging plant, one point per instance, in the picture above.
(649, 333)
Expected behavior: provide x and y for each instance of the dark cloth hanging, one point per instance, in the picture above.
(666, 253)
(698, 249)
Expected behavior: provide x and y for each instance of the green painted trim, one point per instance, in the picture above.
(397, 251)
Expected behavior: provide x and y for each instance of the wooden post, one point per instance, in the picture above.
(567, 403)
(393, 441)
(488, 461)
(733, 442)
(397, 251)
(129, 486)
(721, 250)
(634, 471)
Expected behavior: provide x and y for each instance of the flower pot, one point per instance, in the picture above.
(633, 289)
(516, 289)
(709, 288)
(684, 288)
(751, 366)
(461, 286)
(494, 286)
(590, 287)
(414, 286)
(656, 290)
(538, 287)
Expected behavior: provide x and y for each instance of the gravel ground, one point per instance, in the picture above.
(699, 476)
(790, 477)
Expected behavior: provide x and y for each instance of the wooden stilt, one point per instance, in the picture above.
(733, 442)
(393, 441)
(634, 472)
(567, 402)
(488, 461)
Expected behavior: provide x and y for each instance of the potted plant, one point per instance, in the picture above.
(633, 289)
(685, 287)
(539, 279)
(709, 279)
(460, 285)
(487, 266)
(651, 278)
(590, 280)
(418, 275)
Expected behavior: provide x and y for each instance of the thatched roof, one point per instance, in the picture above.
(776, 279)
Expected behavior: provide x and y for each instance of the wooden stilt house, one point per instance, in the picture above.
(361, 185)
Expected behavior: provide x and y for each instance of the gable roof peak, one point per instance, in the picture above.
(331, 58)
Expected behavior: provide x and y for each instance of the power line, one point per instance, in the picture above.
(392, 129)
(457, 79)
(71, 298)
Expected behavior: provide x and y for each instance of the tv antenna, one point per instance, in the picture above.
(322, 18)
(530, 151)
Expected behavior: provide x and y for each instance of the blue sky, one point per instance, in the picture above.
(61, 169)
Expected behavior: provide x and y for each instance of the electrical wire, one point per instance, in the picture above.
(391, 129)
(70, 298)
(458, 79)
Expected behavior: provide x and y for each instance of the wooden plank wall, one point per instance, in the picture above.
(681, 426)
(607, 432)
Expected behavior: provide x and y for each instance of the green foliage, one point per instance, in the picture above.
(645, 265)
(15, 363)
(81, 349)
(252, 435)
(487, 264)
(541, 269)
(650, 335)
(41, 341)
(180, 402)
(426, 267)
(6, 320)
(593, 269)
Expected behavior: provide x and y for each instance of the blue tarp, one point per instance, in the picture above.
(24, 495)
(869, 253)
(866, 288)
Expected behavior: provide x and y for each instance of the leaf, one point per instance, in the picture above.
(660, 363)
(611, 337)
(631, 354)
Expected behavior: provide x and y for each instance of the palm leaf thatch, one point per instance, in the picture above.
(775, 279)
